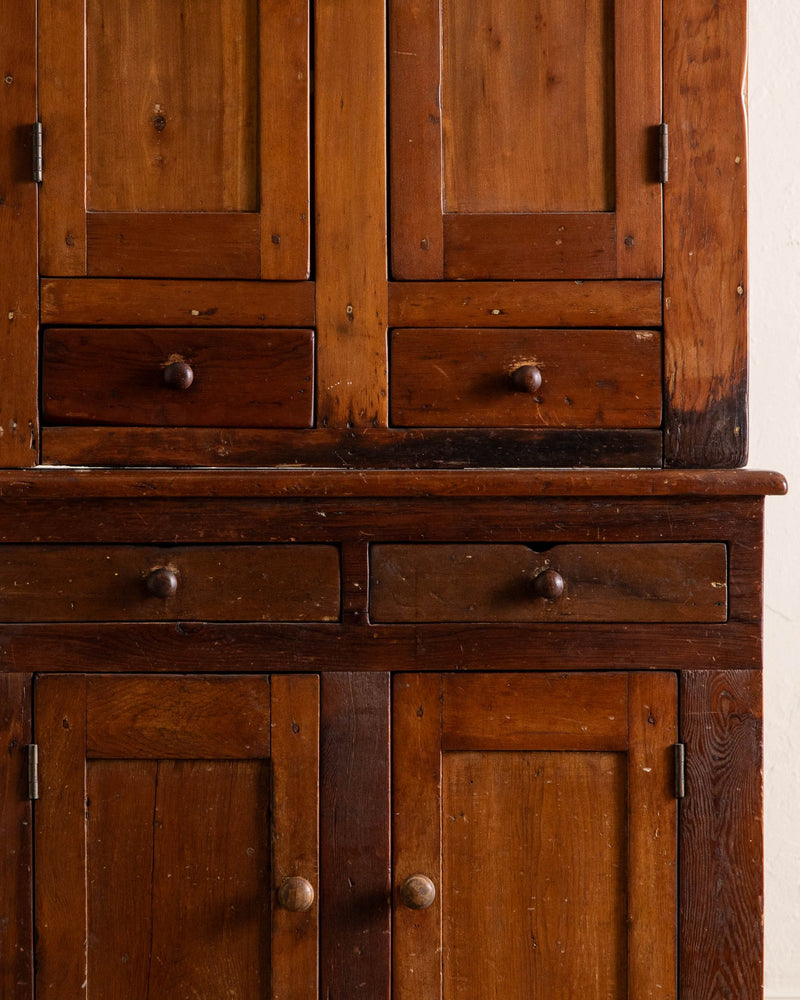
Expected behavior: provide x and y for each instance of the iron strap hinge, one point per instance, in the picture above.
(33, 771)
(679, 751)
(663, 153)
(37, 164)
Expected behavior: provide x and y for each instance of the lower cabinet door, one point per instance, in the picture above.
(176, 837)
(534, 832)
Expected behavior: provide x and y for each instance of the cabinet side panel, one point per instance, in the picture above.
(18, 235)
(721, 872)
(705, 279)
(355, 948)
(16, 861)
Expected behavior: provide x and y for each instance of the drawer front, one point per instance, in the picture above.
(179, 378)
(52, 583)
(671, 582)
(526, 378)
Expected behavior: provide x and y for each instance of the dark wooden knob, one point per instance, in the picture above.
(527, 378)
(417, 892)
(178, 375)
(296, 894)
(549, 585)
(162, 582)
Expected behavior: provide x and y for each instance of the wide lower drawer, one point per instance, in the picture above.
(670, 582)
(51, 583)
(178, 378)
(526, 378)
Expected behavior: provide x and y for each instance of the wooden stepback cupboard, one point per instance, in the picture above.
(380, 594)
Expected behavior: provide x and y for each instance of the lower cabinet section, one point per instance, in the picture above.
(176, 837)
(534, 832)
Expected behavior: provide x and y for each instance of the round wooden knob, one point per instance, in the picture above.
(178, 375)
(549, 585)
(162, 582)
(296, 894)
(417, 892)
(527, 378)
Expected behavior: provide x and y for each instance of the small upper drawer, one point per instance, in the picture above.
(526, 378)
(179, 378)
(50, 583)
(656, 582)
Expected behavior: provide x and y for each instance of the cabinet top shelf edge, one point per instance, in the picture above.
(59, 482)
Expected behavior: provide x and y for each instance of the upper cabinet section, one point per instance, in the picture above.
(524, 139)
(176, 138)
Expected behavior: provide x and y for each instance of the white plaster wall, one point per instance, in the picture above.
(774, 229)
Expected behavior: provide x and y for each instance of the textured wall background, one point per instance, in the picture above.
(774, 225)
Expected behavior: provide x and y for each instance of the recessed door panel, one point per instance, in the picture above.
(176, 138)
(524, 139)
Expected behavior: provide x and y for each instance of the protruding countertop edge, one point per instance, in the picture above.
(58, 482)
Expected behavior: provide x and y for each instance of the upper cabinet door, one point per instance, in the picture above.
(524, 139)
(176, 138)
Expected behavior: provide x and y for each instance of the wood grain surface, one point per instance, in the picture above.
(16, 837)
(350, 447)
(150, 302)
(294, 752)
(416, 832)
(19, 421)
(465, 378)
(241, 378)
(426, 583)
(705, 281)
(177, 717)
(721, 836)
(92, 484)
(355, 835)
(513, 304)
(62, 583)
(60, 854)
(350, 200)
(505, 145)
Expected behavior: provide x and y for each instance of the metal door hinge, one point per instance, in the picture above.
(33, 771)
(38, 160)
(679, 750)
(663, 153)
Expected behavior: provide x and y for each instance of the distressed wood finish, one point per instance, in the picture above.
(652, 836)
(465, 159)
(505, 145)
(148, 302)
(177, 824)
(416, 832)
(61, 919)
(355, 835)
(511, 304)
(705, 282)
(240, 378)
(176, 717)
(561, 849)
(172, 99)
(351, 447)
(16, 838)
(687, 486)
(295, 748)
(350, 200)
(465, 378)
(721, 834)
(182, 175)
(226, 583)
(19, 421)
(492, 583)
